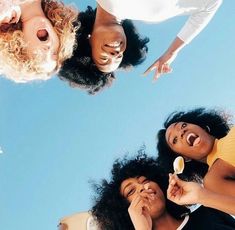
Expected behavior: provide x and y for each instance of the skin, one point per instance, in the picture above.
(108, 41)
(182, 193)
(177, 137)
(218, 191)
(107, 30)
(147, 205)
(162, 64)
(39, 34)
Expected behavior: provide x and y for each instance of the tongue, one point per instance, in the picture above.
(196, 141)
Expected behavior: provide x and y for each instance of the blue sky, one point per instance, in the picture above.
(55, 139)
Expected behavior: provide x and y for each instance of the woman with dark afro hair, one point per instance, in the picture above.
(108, 41)
(135, 198)
(203, 137)
(82, 71)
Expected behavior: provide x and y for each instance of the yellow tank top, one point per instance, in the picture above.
(224, 149)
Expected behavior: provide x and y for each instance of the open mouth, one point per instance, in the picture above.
(42, 35)
(192, 139)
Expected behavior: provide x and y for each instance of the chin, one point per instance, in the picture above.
(49, 66)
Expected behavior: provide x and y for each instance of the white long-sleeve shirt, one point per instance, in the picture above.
(200, 12)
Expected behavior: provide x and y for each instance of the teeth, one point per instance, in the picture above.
(114, 44)
(191, 138)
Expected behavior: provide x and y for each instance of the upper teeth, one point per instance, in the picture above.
(115, 44)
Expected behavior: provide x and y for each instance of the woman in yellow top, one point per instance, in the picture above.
(36, 36)
(204, 136)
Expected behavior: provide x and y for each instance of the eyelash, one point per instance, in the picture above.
(131, 192)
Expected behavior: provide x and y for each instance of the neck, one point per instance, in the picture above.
(31, 9)
(212, 142)
(166, 222)
(105, 18)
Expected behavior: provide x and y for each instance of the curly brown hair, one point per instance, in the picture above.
(17, 65)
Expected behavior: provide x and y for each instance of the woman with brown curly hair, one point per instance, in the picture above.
(36, 36)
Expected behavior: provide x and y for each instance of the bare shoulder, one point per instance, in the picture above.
(220, 177)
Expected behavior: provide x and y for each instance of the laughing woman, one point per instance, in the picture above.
(135, 198)
(110, 42)
(35, 38)
(202, 136)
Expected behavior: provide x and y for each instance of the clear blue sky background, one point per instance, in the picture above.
(55, 138)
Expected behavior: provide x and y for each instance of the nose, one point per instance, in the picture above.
(46, 47)
(182, 133)
(113, 51)
(143, 187)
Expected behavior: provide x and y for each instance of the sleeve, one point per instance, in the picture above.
(198, 20)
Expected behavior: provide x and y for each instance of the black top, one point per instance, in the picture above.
(209, 219)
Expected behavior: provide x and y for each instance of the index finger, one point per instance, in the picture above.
(151, 68)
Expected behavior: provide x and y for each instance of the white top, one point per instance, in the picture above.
(200, 12)
(185, 221)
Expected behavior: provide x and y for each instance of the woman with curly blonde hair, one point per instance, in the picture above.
(36, 37)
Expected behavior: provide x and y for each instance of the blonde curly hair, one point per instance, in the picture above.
(17, 65)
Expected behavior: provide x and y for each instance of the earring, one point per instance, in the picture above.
(208, 129)
(88, 36)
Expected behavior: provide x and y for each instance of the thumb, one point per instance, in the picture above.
(174, 179)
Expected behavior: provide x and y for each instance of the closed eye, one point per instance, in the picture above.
(174, 140)
(130, 192)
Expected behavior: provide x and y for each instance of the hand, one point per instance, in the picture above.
(182, 192)
(139, 212)
(162, 65)
(9, 12)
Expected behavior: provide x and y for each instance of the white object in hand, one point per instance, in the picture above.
(178, 165)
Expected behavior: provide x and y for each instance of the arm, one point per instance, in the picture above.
(194, 25)
(221, 178)
(182, 193)
(139, 213)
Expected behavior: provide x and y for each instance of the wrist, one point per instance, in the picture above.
(203, 195)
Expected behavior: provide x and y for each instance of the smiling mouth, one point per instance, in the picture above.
(114, 44)
(192, 139)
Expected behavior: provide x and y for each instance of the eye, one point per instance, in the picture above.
(183, 125)
(104, 58)
(145, 181)
(130, 192)
(42, 35)
(119, 56)
(174, 140)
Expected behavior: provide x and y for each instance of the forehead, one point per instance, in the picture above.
(170, 129)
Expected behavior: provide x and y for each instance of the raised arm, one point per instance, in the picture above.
(182, 193)
(193, 26)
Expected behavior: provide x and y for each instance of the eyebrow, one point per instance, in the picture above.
(168, 140)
